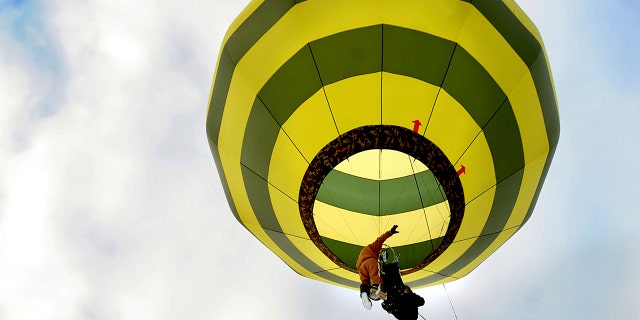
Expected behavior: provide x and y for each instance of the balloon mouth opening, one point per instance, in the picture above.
(345, 182)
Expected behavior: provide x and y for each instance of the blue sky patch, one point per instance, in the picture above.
(12, 3)
(23, 22)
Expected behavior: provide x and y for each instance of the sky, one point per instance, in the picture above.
(111, 206)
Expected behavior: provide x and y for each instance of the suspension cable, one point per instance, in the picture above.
(451, 303)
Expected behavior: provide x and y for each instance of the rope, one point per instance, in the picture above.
(424, 211)
(452, 308)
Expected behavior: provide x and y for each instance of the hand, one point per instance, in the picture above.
(393, 229)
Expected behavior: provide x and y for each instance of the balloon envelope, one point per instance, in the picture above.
(331, 121)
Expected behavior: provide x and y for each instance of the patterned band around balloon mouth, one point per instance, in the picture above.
(381, 137)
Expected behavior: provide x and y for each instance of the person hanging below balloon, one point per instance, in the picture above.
(385, 284)
(367, 264)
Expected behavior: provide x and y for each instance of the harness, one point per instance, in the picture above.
(388, 269)
(401, 301)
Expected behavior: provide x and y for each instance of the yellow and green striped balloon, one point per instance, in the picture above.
(332, 120)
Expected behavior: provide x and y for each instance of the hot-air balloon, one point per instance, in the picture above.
(332, 120)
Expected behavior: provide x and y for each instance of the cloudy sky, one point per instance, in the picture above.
(111, 207)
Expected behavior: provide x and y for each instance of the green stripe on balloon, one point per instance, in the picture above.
(381, 197)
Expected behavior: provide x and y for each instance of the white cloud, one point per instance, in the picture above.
(37, 280)
(111, 206)
(28, 188)
(99, 219)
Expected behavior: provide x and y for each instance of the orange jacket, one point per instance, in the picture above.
(367, 262)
